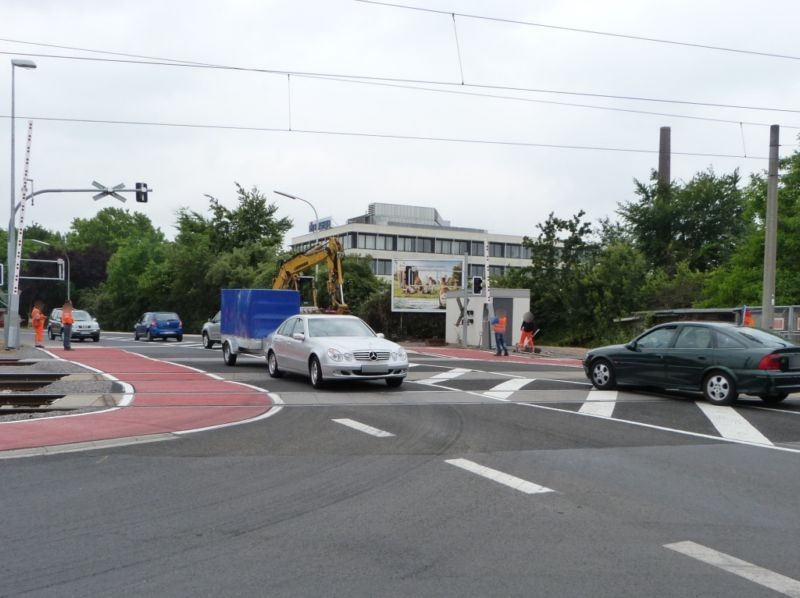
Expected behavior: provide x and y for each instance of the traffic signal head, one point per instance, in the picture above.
(141, 192)
(477, 285)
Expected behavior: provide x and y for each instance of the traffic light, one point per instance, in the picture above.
(477, 285)
(141, 192)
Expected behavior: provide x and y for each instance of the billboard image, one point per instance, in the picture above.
(421, 285)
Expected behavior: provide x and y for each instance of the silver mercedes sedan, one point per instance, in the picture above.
(334, 347)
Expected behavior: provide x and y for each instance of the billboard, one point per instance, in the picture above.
(420, 285)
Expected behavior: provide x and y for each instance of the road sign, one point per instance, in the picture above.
(109, 191)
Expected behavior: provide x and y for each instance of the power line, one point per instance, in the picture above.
(550, 102)
(381, 136)
(199, 65)
(587, 31)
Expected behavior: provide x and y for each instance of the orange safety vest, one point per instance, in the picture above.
(37, 318)
(66, 317)
(501, 325)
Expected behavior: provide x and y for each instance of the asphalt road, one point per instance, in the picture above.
(472, 479)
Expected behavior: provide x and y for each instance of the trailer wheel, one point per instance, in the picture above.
(228, 356)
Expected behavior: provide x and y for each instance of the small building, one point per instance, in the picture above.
(514, 302)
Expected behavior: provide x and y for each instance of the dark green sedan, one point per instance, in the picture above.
(718, 359)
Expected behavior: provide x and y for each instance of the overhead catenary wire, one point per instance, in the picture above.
(197, 65)
(585, 31)
(367, 134)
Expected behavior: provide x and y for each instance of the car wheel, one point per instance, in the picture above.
(149, 336)
(96, 339)
(135, 335)
(394, 382)
(81, 339)
(50, 334)
(315, 372)
(228, 356)
(272, 365)
(774, 399)
(207, 342)
(603, 376)
(719, 389)
(179, 338)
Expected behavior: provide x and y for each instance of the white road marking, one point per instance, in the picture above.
(443, 376)
(600, 403)
(763, 577)
(730, 423)
(499, 477)
(351, 423)
(507, 388)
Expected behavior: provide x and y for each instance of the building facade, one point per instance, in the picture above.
(391, 231)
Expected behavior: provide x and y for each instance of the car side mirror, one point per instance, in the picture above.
(380, 335)
(298, 336)
(632, 346)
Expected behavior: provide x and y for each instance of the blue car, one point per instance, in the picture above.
(159, 324)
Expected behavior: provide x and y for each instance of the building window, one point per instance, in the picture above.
(476, 270)
(525, 253)
(477, 248)
(496, 271)
(406, 244)
(385, 242)
(513, 250)
(366, 241)
(382, 267)
(460, 247)
(443, 245)
(425, 245)
(496, 249)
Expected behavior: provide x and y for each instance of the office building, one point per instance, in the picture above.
(392, 231)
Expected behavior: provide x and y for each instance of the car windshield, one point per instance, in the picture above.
(763, 338)
(338, 327)
(166, 315)
(79, 314)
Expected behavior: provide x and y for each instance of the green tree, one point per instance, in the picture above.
(739, 281)
(699, 222)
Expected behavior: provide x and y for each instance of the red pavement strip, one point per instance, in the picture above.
(467, 353)
(169, 399)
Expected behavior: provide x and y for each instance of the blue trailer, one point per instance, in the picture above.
(250, 315)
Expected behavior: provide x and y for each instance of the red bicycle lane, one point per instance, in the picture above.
(167, 398)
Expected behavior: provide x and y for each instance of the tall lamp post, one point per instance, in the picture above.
(316, 216)
(12, 300)
(66, 255)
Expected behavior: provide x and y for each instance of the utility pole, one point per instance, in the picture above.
(664, 156)
(770, 233)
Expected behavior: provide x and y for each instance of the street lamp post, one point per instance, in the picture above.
(316, 216)
(12, 300)
(66, 255)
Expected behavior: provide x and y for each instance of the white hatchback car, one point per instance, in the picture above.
(210, 332)
(334, 347)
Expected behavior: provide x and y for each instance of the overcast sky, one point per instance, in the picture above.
(502, 188)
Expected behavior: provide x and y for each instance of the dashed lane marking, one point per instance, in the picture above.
(351, 423)
(507, 388)
(499, 477)
(444, 376)
(731, 424)
(600, 403)
(759, 575)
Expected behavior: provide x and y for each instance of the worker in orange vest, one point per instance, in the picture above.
(528, 331)
(38, 319)
(66, 324)
(499, 328)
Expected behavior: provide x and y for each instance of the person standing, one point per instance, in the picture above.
(37, 320)
(66, 325)
(499, 328)
(528, 329)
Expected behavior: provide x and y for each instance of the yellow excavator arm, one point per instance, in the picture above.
(328, 251)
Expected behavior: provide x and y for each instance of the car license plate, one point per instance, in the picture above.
(794, 362)
(374, 368)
